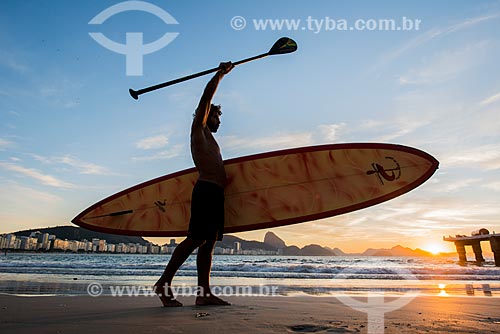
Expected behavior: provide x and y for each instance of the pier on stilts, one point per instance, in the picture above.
(475, 241)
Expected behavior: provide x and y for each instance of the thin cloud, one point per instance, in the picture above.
(82, 167)
(394, 126)
(175, 151)
(10, 61)
(490, 100)
(402, 128)
(486, 157)
(150, 143)
(433, 34)
(495, 186)
(60, 91)
(44, 179)
(458, 184)
(332, 132)
(5, 144)
(12, 190)
(446, 65)
(437, 213)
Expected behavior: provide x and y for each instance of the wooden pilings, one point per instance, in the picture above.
(462, 256)
(495, 247)
(476, 247)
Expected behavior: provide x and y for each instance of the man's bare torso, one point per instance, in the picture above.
(206, 156)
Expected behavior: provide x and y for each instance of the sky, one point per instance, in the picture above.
(70, 135)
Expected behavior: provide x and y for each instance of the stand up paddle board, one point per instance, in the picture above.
(270, 189)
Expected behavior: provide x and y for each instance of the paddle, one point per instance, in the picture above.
(282, 46)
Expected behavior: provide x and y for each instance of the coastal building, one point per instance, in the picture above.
(258, 252)
(223, 251)
(11, 241)
(168, 248)
(60, 244)
(17, 243)
(102, 246)
(237, 247)
(152, 249)
(155, 249)
(27, 243)
(43, 242)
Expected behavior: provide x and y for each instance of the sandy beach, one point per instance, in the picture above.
(85, 314)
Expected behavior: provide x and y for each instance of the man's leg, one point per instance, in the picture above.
(180, 255)
(204, 266)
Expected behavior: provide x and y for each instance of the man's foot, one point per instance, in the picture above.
(210, 300)
(167, 299)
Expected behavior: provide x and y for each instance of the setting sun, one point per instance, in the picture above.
(435, 248)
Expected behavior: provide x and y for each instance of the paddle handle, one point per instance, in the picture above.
(135, 93)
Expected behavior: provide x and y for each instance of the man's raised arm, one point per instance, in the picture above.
(203, 109)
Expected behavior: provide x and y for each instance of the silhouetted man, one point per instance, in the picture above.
(207, 206)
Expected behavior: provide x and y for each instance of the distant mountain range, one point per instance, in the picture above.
(396, 251)
(317, 250)
(310, 250)
(271, 243)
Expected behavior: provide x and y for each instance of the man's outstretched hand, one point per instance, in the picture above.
(225, 68)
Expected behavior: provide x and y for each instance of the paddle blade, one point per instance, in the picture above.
(282, 46)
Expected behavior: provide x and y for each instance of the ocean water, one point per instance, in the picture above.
(44, 273)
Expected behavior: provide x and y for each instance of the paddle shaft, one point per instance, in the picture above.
(135, 93)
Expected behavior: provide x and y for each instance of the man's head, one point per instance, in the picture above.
(213, 120)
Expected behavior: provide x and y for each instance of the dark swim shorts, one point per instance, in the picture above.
(207, 212)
